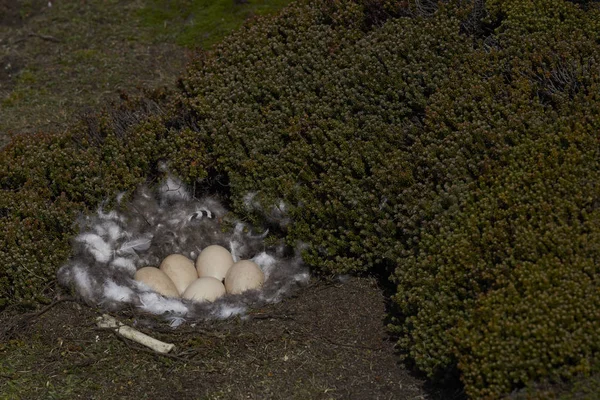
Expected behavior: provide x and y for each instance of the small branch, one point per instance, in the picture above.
(271, 316)
(142, 215)
(106, 321)
(155, 353)
(48, 307)
(43, 37)
(10, 329)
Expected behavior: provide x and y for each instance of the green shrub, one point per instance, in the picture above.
(48, 180)
(512, 245)
(582, 386)
(318, 109)
(540, 219)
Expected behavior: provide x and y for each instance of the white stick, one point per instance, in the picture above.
(106, 321)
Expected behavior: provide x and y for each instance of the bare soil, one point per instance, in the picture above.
(327, 342)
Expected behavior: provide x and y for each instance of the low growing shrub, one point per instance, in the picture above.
(47, 181)
(503, 283)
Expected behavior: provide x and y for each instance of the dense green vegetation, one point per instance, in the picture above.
(452, 148)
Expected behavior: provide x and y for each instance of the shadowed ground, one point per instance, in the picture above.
(56, 62)
(328, 342)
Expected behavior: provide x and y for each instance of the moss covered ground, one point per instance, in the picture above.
(58, 62)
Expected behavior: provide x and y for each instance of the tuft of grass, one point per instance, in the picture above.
(201, 23)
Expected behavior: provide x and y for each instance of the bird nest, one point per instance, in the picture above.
(157, 222)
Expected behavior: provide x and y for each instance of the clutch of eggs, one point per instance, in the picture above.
(213, 275)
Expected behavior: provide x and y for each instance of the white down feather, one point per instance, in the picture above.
(113, 245)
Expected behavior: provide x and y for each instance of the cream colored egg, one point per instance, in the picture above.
(180, 269)
(244, 275)
(204, 289)
(157, 280)
(214, 261)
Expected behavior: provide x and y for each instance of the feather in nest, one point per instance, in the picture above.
(156, 223)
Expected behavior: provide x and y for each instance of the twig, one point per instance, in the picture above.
(271, 316)
(47, 308)
(43, 37)
(106, 321)
(16, 326)
(149, 351)
(192, 331)
(140, 213)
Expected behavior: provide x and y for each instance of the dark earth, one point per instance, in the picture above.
(329, 341)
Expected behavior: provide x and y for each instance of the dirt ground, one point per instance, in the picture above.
(327, 342)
